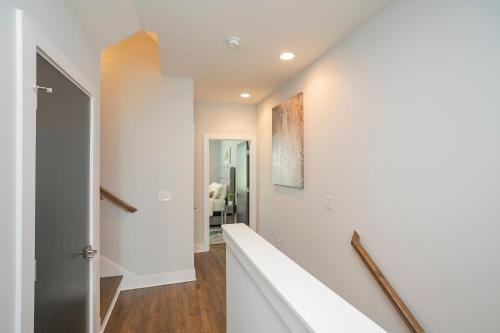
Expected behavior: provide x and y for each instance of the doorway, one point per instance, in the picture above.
(62, 205)
(32, 43)
(229, 184)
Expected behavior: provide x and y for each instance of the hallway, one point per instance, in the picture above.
(198, 306)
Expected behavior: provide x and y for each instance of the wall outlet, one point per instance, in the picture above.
(165, 195)
(329, 202)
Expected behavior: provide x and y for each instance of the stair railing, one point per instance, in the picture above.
(393, 296)
(116, 200)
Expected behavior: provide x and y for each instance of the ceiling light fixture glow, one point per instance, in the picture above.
(285, 56)
(245, 95)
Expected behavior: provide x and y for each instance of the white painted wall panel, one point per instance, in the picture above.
(248, 310)
(147, 146)
(402, 128)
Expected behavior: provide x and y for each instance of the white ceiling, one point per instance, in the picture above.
(192, 33)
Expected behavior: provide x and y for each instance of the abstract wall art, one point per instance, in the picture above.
(288, 143)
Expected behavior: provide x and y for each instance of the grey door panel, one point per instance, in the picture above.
(242, 183)
(62, 204)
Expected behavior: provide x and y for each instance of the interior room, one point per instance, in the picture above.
(249, 166)
(228, 192)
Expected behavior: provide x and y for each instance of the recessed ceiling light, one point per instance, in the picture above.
(245, 95)
(287, 56)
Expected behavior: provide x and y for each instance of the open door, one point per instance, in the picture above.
(242, 183)
(62, 228)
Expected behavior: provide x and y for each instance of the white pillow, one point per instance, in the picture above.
(223, 192)
(211, 189)
(215, 189)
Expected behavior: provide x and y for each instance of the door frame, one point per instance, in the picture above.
(252, 140)
(30, 41)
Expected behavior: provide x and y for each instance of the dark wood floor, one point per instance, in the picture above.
(184, 307)
(109, 285)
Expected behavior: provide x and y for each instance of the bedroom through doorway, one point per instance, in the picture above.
(229, 185)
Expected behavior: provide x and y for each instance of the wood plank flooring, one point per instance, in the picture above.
(198, 306)
(109, 285)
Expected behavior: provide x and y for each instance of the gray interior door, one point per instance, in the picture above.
(62, 204)
(242, 184)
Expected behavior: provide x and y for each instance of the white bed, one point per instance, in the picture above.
(215, 205)
(217, 202)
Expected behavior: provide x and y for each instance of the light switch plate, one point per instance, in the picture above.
(165, 195)
(329, 202)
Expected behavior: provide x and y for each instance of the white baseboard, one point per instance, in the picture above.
(134, 281)
(109, 268)
(199, 247)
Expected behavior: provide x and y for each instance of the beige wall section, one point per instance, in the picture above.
(402, 128)
(216, 118)
(147, 146)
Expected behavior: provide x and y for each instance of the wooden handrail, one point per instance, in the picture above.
(106, 194)
(393, 296)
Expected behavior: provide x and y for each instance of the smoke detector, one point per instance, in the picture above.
(233, 42)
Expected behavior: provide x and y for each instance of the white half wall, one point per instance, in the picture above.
(147, 146)
(268, 292)
(402, 128)
(216, 118)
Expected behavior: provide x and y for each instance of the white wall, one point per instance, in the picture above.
(49, 16)
(7, 167)
(402, 127)
(248, 307)
(59, 22)
(147, 146)
(217, 156)
(216, 118)
(233, 145)
(214, 163)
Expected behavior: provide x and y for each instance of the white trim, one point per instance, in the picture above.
(19, 162)
(30, 41)
(111, 307)
(110, 268)
(252, 140)
(134, 281)
(199, 247)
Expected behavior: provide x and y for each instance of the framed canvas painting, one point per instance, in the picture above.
(288, 143)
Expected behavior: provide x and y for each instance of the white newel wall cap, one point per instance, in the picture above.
(315, 305)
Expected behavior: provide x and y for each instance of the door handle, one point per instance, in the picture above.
(88, 252)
